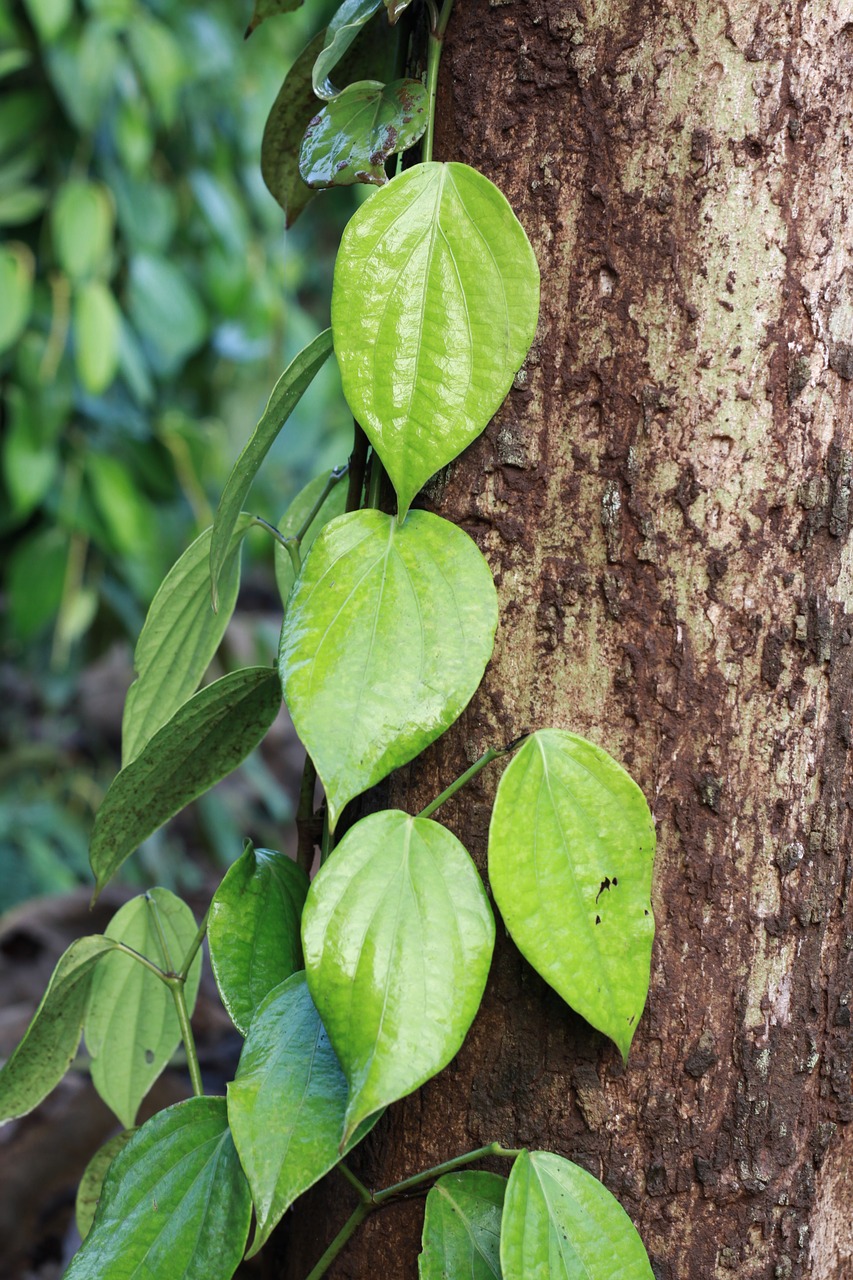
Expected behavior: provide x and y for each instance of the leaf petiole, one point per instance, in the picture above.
(486, 758)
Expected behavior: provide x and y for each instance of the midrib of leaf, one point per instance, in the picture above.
(568, 1252)
(466, 1222)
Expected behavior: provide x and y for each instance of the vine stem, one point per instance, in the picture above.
(175, 980)
(486, 758)
(434, 48)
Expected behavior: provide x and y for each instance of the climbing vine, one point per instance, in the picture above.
(355, 987)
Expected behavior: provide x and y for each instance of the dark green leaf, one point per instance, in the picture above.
(16, 290)
(81, 220)
(286, 1106)
(346, 24)
(91, 1184)
(294, 518)
(398, 936)
(287, 393)
(462, 1227)
(48, 1048)
(354, 134)
(560, 1223)
(35, 574)
(371, 588)
(97, 333)
(180, 637)
(204, 741)
(434, 307)
(571, 847)
(270, 9)
(253, 930)
(175, 1202)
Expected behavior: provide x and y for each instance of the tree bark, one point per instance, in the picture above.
(665, 502)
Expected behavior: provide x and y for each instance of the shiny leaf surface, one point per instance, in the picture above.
(253, 930)
(560, 1223)
(294, 518)
(398, 935)
(346, 24)
(92, 1182)
(371, 588)
(352, 137)
(462, 1227)
(571, 847)
(434, 307)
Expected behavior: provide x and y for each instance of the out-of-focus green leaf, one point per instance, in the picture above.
(97, 335)
(270, 9)
(355, 133)
(35, 572)
(82, 226)
(91, 1184)
(17, 208)
(30, 457)
(16, 290)
(83, 66)
(166, 310)
(158, 55)
(12, 60)
(22, 115)
(49, 17)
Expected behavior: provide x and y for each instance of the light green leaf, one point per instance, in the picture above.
(353, 136)
(16, 289)
(286, 1106)
(160, 59)
(340, 33)
(434, 307)
(92, 1182)
(12, 60)
(294, 518)
(571, 847)
(253, 929)
(175, 1202)
(97, 335)
(50, 1044)
(166, 310)
(204, 741)
(560, 1223)
(131, 1026)
(398, 935)
(462, 1227)
(19, 207)
(180, 637)
(82, 220)
(287, 393)
(270, 9)
(371, 588)
(50, 17)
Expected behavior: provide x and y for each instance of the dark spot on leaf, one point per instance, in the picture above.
(605, 884)
(645, 913)
(615, 882)
(632, 1019)
(598, 919)
(149, 1056)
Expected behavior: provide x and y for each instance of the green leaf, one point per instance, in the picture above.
(340, 33)
(91, 1184)
(204, 741)
(420, 591)
(253, 930)
(396, 8)
(287, 393)
(353, 136)
(50, 17)
(16, 289)
(560, 1223)
(571, 847)
(398, 935)
(462, 1227)
(131, 1026)
(166, 310)
(30, 453)
(17, 208)
(292, 110)
(286, 1106)
(270, 9)
(97, 334)
(434, 307)
(161, 62)
(180, 637)
(294, 518)
(35, 576)
(50, 1044)
(175, 1202)
(82, 220)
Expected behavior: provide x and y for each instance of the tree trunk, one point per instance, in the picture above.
(665, 501)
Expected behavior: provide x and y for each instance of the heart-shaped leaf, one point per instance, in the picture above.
(434, 307)
(92, 1182)
(50, 1044)
(287, 393)
(340, 33)
(175, 1202)
(560, 1223)
(180, 637)
(369, 588)
(462, 1227)
(296, 515)
(131, 1026)
(253, 931)
(204, 741)
(398, 935)
(287, 1104)
(352, 137)
(571, 847)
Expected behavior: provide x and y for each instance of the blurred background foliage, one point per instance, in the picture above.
(149, 299)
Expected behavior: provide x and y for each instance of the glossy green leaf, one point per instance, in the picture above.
(286, 1106)
(175, 1202)
(352, 137)
(16, 290)
(571, 847)
(82, 220)
(180, 637)
(434, 307)
(287, 393)
(396, 8)
(462, 1227)
(50, 1044)
(204, 741)
(296, 515)
(346, 24)
(560, 1223)
(131, 1026)
(398, 935)
(371, 588)
(270, 9)
(97, 335)
(92, 1182)
(253, 931)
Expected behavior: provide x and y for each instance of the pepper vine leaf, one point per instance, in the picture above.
(294, 518)
(434, 307)
(462, 1227)
(352, 137)
(398, 935)
(92, 1182)
(343, 29)
(371, 587)
(571, 848)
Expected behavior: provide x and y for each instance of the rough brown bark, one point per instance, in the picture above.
(665, 501)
